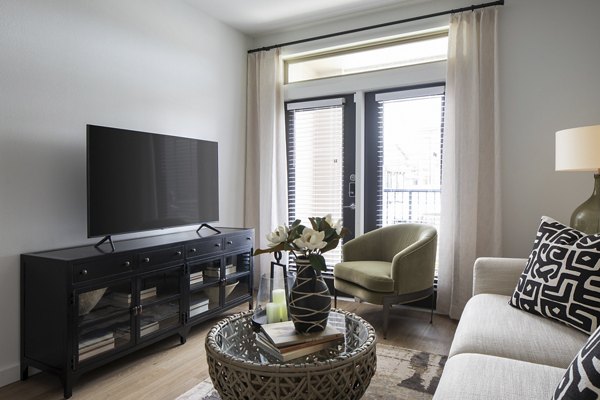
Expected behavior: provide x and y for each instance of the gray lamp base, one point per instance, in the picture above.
(586, 217)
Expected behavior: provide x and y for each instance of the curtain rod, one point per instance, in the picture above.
(366, 28)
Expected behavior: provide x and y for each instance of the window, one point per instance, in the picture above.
(416, 48)
(403, 154)
(321, 161)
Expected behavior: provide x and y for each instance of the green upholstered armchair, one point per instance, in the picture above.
(390, 265)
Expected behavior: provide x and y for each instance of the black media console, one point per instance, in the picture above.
(83, 307)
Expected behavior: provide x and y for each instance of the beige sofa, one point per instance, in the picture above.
(500, 352)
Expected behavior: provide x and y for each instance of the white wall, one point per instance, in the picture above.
(549, 81)
(548, 58)
(159, 66)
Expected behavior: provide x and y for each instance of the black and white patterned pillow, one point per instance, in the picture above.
(581, 381)
(562, 277)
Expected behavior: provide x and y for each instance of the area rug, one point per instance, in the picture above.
(402, 374)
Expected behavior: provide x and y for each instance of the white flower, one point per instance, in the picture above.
(337, 226)
(279, 235)
(311, 240)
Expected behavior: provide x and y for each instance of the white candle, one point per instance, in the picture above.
(283, 311)
(273, 313)
(279, 296)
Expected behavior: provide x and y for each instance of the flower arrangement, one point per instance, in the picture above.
(303, 241)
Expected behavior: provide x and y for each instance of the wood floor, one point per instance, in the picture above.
(167, 369)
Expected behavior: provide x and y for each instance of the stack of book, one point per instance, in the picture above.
(215, 272)
(283, 342)
(96, 343)
(147, 325)
(121, 299)
(198, 306)
(196, 277)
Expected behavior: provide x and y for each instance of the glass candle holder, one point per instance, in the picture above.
(272, 300)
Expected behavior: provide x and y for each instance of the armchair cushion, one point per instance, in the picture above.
(372, 275)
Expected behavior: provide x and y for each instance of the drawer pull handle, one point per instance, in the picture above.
(217, 244)
(248, 238)
(229, 242)
(178, 253)
(84, 272)
(146, 260)
(126, 264)
(193, 250)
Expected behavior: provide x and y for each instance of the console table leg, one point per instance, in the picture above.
(24, 372)
(67, 381)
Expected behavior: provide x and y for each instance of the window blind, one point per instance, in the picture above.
(315, 163)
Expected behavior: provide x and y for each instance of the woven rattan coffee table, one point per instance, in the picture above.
(240, 370)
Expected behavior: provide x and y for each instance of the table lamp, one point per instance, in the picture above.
(578, 149)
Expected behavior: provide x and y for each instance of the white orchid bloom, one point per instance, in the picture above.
(337, 225)
(279, 235)
(311, 240)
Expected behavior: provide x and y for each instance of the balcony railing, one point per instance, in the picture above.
(411, 205)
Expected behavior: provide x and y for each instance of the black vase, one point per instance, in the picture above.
(310, 300)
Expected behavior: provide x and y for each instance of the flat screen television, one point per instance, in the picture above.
(139, 181)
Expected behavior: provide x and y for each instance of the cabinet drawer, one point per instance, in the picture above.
(159, 257)
(103, 268)
(238, 241)
(203, 247)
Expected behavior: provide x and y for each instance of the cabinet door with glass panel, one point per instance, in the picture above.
(204, 281)
(104, 319)
(160, 302)
(238, 277)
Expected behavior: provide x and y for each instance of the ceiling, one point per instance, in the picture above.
(256, 17)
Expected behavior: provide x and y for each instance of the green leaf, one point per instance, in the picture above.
(330, 245)
(295, 224)
(330, 233)
(279, 247)
(317, 261)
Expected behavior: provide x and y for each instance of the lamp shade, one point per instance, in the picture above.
(578, 149)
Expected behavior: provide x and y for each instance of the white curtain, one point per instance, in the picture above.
(470, 222)
(266, 171)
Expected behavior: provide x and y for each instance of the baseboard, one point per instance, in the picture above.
(10, 374)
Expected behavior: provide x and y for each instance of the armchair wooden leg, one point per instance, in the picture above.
(432, 304)
(334, 298)
(386, 316)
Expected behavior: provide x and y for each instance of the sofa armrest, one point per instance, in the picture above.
(497, 275)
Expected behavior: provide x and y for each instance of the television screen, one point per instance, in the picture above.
(139, 181)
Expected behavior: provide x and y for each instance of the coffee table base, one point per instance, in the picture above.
(345, 377)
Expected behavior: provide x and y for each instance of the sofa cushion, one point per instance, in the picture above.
(372, 275)
(562, 277)
(477, 377)
(490, 326)
(582, 379)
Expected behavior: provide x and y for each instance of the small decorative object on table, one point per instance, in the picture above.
(271, 300)
(310, 300)
(88, 300)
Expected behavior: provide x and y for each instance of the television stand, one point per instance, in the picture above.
(209, 227)
(109, 238)
(82, 308)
